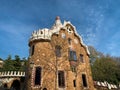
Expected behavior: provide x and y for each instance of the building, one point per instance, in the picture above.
(58, 60)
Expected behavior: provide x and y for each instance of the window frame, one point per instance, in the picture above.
(82, 58)
(84, 80)
(38, 73)
(61, 79)
(74, 83)
(72, 55)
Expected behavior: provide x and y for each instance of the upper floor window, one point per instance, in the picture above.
(37, 76)
(32, 50)
(84, 80)
(58, 51)
(81, 58)
(61, 79)
(72, 55)
(69, 29)
(69, 41)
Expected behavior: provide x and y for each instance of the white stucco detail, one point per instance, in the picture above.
(46, 33)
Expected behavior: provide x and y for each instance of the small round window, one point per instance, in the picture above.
(63, 35)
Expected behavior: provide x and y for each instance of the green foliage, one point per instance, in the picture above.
(8, 64)
(104, 67)
(94, 54)
(15, 64)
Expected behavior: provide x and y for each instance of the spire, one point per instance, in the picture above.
(57, 18)
(57, 23)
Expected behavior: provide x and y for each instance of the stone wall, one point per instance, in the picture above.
(44, 56)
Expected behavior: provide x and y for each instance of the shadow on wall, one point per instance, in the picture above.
(15, 85)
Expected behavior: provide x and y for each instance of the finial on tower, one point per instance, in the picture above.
(57, 23)
(57, 18)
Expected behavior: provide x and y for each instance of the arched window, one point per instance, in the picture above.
(44, 88)
(58, 51)
(37, 76)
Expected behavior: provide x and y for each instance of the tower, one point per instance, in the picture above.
(58, 59)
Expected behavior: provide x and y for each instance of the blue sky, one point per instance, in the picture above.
(97, 21)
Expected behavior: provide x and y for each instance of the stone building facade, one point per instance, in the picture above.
(58, 60)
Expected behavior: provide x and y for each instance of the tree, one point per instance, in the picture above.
(24, 63)
(105, 69)
(8, 64)
(17, 62)
(94, 54)
(14, 64)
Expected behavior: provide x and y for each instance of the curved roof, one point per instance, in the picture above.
(47, 33)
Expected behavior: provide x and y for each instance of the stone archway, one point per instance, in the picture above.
(15, 85)
(44, 88)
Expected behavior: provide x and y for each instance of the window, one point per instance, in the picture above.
(58, 51)
(61, 79)
(73, 68)
(32, 50)
(37, 76)
(74, 83)
(63, 35)
(81, 58)
(72, 55)
(69, 41)
(41, 32)
(69, 30)
(84, 80)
